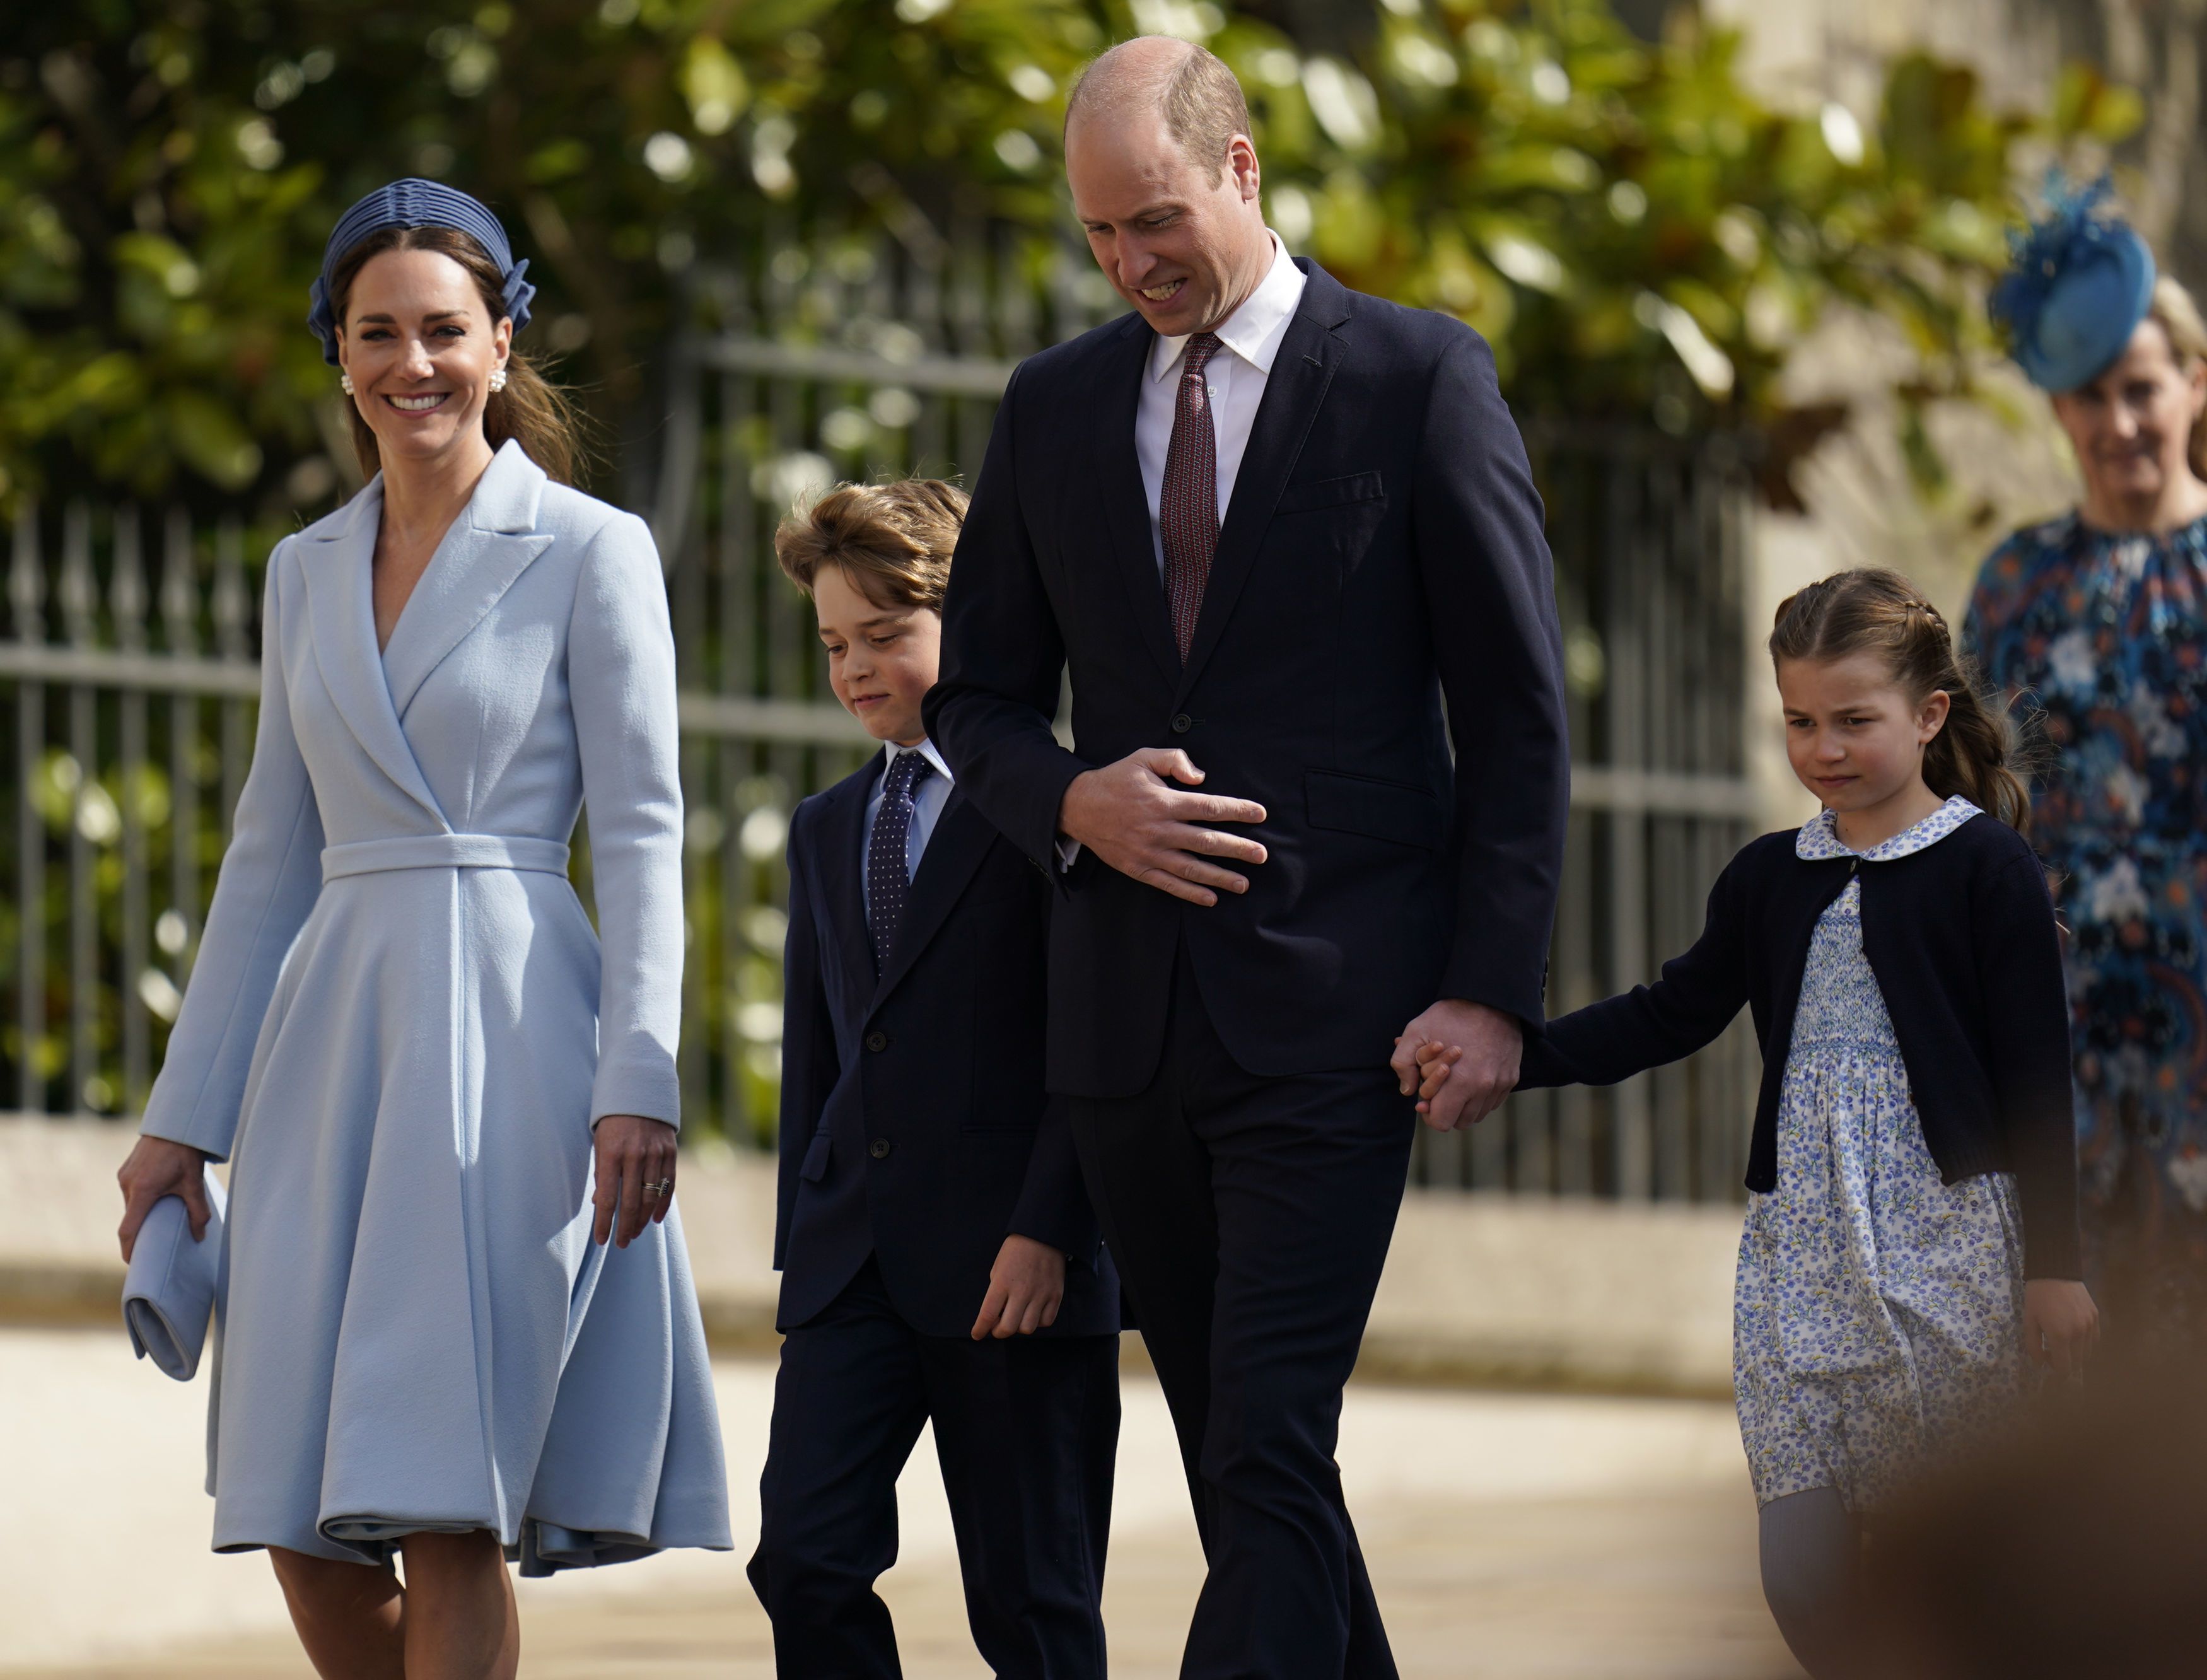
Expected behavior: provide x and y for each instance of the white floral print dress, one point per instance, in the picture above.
(1877, 1308)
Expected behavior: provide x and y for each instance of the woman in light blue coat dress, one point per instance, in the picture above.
(439, 1092)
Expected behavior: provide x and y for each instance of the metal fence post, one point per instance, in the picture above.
(127, 595)
(27, 581)
(859, 360)
(77, 602)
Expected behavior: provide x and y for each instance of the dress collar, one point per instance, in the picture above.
(1254, 330)
(925, 749)
(1820, 837)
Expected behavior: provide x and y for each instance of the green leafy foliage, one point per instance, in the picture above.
(169, 168)
(1638, 233)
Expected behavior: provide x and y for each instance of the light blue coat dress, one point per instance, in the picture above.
(401, 1028)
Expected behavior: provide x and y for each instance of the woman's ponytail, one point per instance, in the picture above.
(1872, 610)
(537, 413)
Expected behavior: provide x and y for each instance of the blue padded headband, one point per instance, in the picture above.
(416, 204)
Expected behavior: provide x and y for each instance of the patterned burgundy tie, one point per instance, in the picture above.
(1187, 511)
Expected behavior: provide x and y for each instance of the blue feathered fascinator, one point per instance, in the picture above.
(2080, 283)
(416, 204)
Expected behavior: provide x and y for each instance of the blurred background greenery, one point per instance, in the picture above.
(1637, 232)
(1647, 230)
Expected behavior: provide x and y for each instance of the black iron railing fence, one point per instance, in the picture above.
(127, 676)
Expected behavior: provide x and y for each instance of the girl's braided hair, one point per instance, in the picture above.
(1872, 610)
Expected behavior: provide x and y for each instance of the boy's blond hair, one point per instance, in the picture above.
(893, 540)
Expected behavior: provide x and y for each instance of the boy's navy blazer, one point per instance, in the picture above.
(914, 1119)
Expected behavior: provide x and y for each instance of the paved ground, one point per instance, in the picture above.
(1638, 1589)
(1512, 1538)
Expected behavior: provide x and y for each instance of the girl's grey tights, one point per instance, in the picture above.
(1810, 1550)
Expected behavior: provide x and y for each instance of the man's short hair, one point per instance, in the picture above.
(1200, 100)
(893, 540)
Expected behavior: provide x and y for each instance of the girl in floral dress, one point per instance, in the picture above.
(1910, 1235)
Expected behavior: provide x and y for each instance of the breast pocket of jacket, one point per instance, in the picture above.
(1337, 515)
(1400, 812)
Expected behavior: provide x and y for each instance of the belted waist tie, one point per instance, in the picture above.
(445, 851)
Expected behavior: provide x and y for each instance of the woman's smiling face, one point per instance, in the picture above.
(2131, 427)
(420, 347)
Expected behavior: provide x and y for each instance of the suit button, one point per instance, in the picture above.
(879, 1149)
(1183, 723)
(877, 1041)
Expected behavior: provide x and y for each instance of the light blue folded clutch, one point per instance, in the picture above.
(168, 1298)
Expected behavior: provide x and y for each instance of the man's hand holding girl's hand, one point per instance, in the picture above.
(1459, 1060)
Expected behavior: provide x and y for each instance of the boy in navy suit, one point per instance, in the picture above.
(939, 1260)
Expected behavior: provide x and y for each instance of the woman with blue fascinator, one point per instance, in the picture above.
(455, 1324)
(2097, 621)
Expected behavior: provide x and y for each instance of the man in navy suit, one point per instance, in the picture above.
(939, 1259)
(1287, 541)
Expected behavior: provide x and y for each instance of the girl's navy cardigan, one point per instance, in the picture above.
(1962, 938)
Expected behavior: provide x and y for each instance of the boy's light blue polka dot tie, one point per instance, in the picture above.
(888, 881)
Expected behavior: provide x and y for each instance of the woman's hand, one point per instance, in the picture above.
(636, 1177)
(2060, 1323)
(1025, 1287)
(158, 1168)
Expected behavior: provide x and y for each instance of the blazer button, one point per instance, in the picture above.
(879, 1149)
(877, 1041)
(1183, 723)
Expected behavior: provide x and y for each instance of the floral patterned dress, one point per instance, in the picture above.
(2104, 639)
(1878, 1309)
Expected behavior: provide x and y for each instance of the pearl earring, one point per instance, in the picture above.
(497, 380)
(344, 383)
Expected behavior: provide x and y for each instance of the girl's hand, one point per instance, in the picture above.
(158, 1168)
(1434, 1060)
(636, 1177)
(2060, 1323)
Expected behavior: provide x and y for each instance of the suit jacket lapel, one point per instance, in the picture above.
(1309, 354)
(341, 607)
(961, 839)
(842, 831)
(489, 546)
(1125, 504)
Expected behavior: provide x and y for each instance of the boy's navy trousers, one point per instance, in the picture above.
(1025, 1429)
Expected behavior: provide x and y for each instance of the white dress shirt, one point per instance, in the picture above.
(928, 798)
(1236, 376)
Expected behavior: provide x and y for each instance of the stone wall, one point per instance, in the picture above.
(1479, 1290)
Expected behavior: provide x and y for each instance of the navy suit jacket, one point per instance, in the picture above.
(1382, 553)
(915, 1126)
